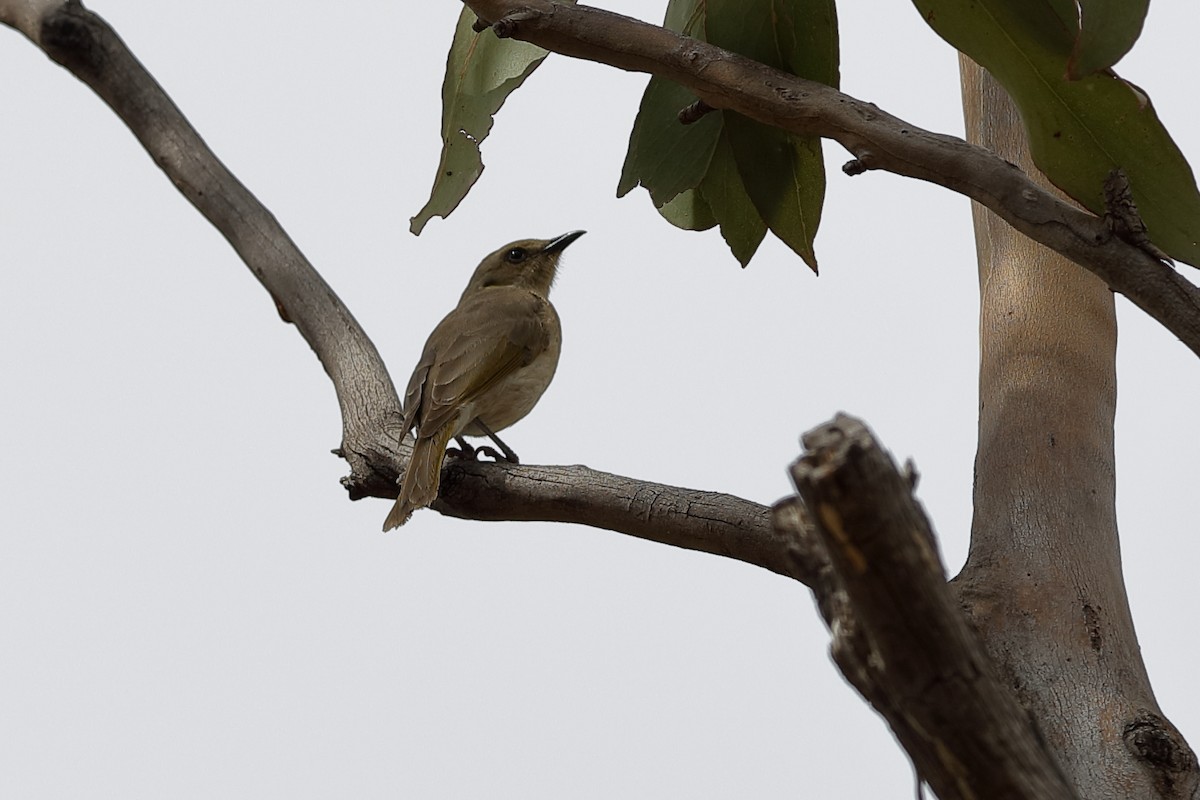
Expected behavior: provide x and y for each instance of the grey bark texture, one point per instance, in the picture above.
(1043, 583)
(899, 635)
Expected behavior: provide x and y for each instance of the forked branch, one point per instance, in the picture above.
(83, 43)
(867, 549)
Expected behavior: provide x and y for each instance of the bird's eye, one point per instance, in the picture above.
(516, 255)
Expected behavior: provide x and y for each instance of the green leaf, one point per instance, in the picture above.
(783, 174)
(1078, 130)
(796, 36)
(481, 72)
(726, 169)
(1066, 11)
(666, 156)
(686, 17)
(688, 210)
(722, 190)
(784, 177)
(1107, 31)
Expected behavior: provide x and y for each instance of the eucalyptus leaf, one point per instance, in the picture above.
(722, 190)
(796, 36)
(784, 177)
(686, 17)
(1079, 130)
(1107, 31)
(783, 174)
(688, 210)
(482, 70)
(664, 155)
(725, 169)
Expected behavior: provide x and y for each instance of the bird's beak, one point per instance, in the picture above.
(561, 242)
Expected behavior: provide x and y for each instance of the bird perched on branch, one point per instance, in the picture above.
(484, 366)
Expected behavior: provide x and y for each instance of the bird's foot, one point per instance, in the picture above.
(463, 450)
(488, 450)
(471, 453)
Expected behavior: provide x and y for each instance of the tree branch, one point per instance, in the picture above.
(877, 140)
(85, 44)
(907, 646)
(713, 523)
(709, 522)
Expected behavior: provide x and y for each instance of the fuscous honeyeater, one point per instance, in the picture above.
(484, 366)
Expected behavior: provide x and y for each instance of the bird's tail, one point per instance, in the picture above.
(419, 486)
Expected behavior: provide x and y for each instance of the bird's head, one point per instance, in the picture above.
(527, 263)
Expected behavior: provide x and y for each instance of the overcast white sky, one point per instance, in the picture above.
(189, 606)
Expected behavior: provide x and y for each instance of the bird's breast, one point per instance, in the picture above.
(516, 395)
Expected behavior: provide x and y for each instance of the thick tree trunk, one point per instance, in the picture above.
(1043, 582)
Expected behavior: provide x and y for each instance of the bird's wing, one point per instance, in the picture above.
(481, 342)
(416, 387)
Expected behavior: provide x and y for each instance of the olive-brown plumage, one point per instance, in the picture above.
(485, 365)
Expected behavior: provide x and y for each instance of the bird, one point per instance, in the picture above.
(484, 367)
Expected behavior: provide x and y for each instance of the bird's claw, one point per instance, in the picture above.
(474, 453)
(463, 451)
(488, 450)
